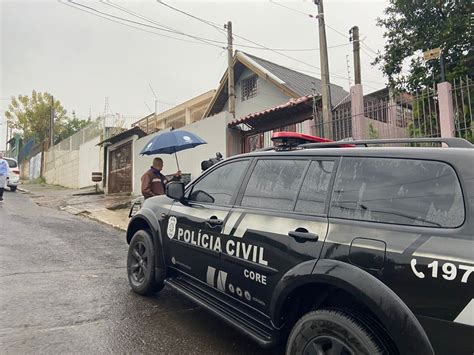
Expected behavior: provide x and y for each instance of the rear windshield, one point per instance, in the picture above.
(399, 191)
(11, 163)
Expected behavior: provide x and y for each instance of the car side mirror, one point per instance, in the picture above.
(175, 190)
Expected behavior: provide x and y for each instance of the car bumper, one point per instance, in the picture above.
(13, 180)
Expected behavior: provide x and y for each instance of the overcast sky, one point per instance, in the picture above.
(81, 58)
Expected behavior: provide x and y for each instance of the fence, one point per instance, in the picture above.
(386, 114)
(463, 101)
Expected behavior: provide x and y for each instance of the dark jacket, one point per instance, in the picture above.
(154, 183)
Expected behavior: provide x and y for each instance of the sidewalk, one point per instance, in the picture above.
(111, 210)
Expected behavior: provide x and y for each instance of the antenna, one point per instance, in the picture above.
(156, 98)
(148, 107)
(106, 107)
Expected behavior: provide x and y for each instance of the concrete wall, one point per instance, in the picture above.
(267, 96)
(385, 130)
(89, 161)
(72, 168)
(213, 130)
(62, 168)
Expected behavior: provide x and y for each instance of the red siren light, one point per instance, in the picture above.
(291, 140)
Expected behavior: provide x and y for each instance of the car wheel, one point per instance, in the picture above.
(330, 332)
(141, 264)
(12, 188)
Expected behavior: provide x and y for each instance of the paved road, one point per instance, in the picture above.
(63, 289)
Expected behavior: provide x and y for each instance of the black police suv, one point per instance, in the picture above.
(330, 248)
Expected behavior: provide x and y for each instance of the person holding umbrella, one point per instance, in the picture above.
(154, 182)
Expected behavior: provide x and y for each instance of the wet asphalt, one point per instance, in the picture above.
(64, 289)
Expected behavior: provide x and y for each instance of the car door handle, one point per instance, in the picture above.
(214, 221)
(303, 234)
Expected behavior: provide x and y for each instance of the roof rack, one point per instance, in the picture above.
(450, 142)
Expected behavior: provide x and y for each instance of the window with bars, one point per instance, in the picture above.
(249, 87)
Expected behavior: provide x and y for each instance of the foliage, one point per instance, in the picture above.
(425, 122)
(373, 132)
(32, 114)
(412, 27)
(70, 126)
(463, 101)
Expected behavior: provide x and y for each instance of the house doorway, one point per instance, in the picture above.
(120, 169)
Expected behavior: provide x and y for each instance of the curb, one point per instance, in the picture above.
(79, 212)
(88, 215)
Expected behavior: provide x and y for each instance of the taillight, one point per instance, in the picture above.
(16, 172)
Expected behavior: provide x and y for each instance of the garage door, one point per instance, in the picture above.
(120, 169)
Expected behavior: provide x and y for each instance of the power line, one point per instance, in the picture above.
(290, 8)
(207, 22)
(107, 16)
(131, 26)
(261, 46)
(368, 48)
(207, 41)
(367, 53)
(215, 25)
(292, 50)
(173, 30)
(337, 31)
(340, 33)
(309, 15)
(133, 13)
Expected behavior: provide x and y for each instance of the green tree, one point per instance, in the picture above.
(31, 115)
(414, 26)
(424, 122)
(69, 126)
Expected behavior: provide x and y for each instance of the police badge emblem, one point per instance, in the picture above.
(171, 227)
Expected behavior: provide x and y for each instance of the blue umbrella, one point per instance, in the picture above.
(171, 143)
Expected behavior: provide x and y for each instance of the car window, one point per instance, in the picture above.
(400, 191)
(219, 185)
(274, 184)
(11, 163)
(313, 193)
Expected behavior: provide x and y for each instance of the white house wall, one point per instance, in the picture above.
(89, 161)
(212, 130)
(267, 96)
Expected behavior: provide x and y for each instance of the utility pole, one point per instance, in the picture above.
(354, 32)
(51, 124)
(326, 90)
(230, 69)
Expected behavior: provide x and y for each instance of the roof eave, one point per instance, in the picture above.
(257, 69)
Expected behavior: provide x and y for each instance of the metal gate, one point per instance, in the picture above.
(120, 169)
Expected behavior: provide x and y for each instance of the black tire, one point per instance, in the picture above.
(330, 332)
(12, 188)
(141, 264)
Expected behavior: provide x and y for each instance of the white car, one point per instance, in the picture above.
(13, 178)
